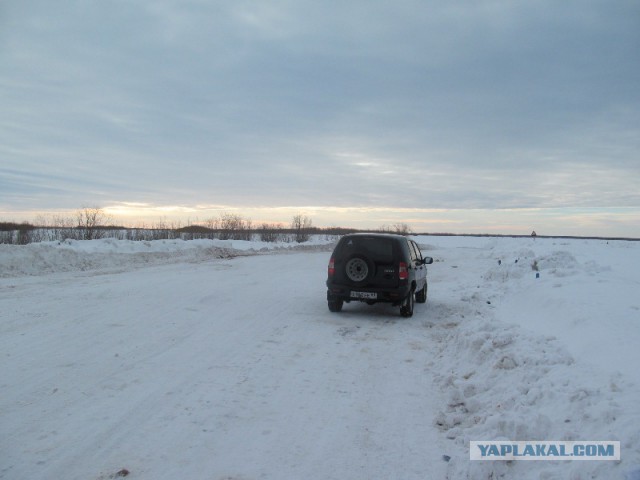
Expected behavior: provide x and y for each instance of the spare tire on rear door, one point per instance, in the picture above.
(358, 268)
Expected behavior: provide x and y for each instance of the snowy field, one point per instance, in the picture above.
(220, 360)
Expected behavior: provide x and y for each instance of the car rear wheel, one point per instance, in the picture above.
(406, 309)
(335, 305)
(421, 296)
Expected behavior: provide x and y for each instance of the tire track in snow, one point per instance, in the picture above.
(236, 369)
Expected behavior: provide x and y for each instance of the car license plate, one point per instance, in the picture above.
(368, 295)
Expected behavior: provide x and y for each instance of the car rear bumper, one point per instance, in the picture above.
(348, 294)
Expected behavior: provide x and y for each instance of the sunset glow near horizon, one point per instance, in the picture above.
(558, 222)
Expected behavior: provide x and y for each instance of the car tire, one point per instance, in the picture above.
(358, 269)
(406, 309)
(335, 305)
(421, 296)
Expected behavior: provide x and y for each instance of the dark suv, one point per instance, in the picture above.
(372, 268)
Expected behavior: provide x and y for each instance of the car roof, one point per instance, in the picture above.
(394, 236)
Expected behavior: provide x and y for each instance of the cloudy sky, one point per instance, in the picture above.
(456, 116)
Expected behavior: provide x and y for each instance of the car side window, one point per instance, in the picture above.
(414, 254)
(418, 252)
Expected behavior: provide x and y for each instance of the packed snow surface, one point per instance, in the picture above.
(220, 360)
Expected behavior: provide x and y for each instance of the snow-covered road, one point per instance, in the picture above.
(199, 367)
(224, 369)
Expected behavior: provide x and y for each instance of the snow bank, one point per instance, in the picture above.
(119, 255)
(504, 384)
(508, 357)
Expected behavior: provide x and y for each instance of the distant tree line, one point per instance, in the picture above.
(92, 223)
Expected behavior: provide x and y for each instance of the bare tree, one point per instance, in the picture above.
(402, 229)
(397, 228)
(234, 227)
(62, 227)
(301, 226)
(213, 225)
(270, 232)
(91, 222)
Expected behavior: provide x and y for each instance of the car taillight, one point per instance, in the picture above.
(332, 268)
(403, 272)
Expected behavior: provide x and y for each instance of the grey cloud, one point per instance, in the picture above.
(245, 101)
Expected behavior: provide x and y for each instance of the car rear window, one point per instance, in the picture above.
(379, 250)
